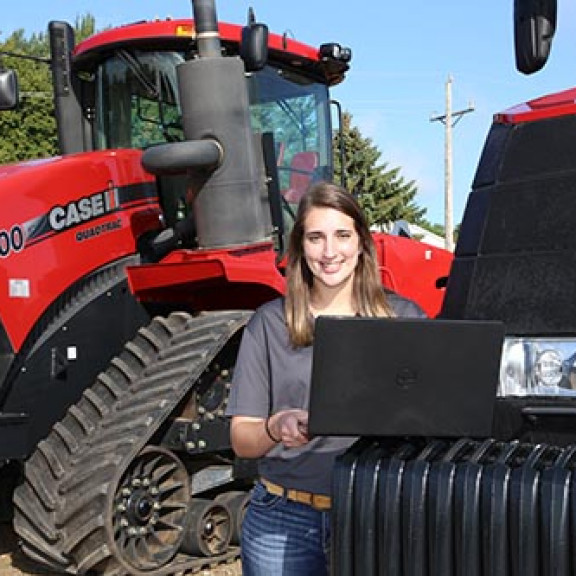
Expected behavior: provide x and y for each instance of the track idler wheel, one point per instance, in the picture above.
(149, 509)
(237, 502)
(209, 528)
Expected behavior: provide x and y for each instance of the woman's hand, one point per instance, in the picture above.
(290, 427)
(250, 439)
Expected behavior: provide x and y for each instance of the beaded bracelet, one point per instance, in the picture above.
(266, 427)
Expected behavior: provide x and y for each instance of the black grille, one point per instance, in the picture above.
(440, 508)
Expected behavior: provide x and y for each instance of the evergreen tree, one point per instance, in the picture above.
(382, 192)
(30, 131)
(84, 26)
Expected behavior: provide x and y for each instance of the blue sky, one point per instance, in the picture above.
(403, 52)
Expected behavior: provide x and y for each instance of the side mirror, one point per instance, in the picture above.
(254, 45)
(8, 90)
(534, 28)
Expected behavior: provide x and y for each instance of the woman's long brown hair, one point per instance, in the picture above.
(369, 298)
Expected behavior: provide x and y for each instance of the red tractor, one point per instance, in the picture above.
(130, 265)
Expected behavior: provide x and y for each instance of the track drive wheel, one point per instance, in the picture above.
(237, 502)
(149, 509)
(209, 528)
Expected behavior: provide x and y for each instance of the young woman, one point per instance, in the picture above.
(332, 270)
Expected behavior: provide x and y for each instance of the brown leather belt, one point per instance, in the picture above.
(318, 501)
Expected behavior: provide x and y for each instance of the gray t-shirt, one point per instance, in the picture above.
(270, 375)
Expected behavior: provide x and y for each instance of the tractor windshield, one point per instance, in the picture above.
(138, 106)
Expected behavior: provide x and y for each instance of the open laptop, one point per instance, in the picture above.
(404, 377)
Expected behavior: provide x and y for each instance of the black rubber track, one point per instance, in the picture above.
(63, 506)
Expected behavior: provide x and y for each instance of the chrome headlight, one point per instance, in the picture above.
(538, 366)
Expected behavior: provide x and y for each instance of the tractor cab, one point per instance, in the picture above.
(125, 88)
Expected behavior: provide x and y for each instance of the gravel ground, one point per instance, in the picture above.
(14, 563)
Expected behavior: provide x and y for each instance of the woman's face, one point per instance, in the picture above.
(331, 247)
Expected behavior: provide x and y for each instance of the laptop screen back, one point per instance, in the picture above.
(404, 377)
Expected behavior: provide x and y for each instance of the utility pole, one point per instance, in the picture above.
(449, 119)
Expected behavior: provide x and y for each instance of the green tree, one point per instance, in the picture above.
(382, 192)
(84, 26)
(30, 131)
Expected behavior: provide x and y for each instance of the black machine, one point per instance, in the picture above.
(503, 505)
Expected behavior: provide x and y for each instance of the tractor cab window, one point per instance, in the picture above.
(138, 103)
(138, 106)
(296, 111)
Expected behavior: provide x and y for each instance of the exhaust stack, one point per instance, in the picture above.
(206, 24)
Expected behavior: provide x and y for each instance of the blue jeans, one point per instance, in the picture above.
(284, 538)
